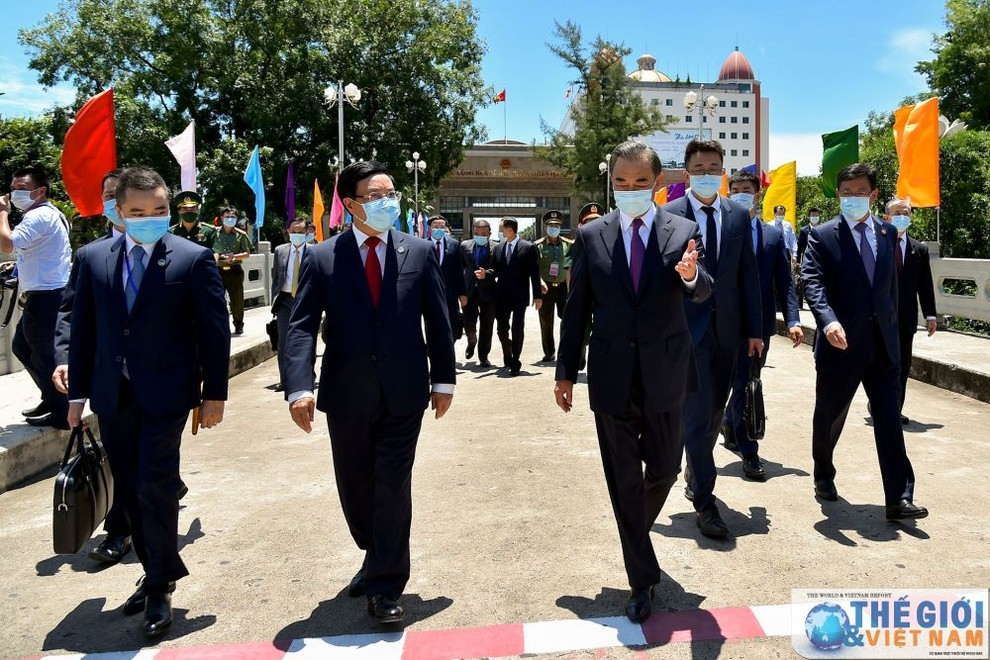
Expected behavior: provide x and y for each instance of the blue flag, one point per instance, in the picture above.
(252, 177)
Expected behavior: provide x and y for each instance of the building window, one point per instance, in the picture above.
(721, 136)
(721, 120)
(689, 118)
(734, 120)
(735, 104)
(671, 118)
(721, 104)
(745, 120)
(735, 136)
(654, 101)
(745, 136)
(734, 152)
(734, 170)
(669, 103)
(745, 104)
(745, 152)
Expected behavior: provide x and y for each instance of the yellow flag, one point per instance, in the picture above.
(782, 190)
(916, 139)
(318, 209)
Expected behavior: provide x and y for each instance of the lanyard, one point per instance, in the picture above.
(130, 278)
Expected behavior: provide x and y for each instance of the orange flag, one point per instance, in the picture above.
(318, 209)
(89, 152)
(724, 190)
(660, 197)
(916, 139)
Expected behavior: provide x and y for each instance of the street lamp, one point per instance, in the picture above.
(336, 96)
(709, 105)
(605, 167)
(416, 166)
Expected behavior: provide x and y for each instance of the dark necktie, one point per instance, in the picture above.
(637, 251)
(866, 252)
(373, 269)
(759, 242)
(899, 257)
(711, 240)
(508, 253)
(439, 251)
(135, 276)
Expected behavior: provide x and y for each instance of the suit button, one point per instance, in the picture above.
(127, 333)
(118, 359)
(632, 344)
(374, 358)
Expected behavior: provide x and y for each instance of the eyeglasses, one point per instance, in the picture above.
(375, 196)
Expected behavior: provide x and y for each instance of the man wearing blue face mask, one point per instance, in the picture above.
(479, 283)
(232, 246)
(448, 251)
(380, 289)
(732, 315)
(288, 261)
(850, 280)
(148, 342)
(914, 284)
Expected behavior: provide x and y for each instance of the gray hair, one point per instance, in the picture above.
(636, 150)
(481, 222)
(897, 201)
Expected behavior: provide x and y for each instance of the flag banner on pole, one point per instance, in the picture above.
(660, 196)
(290, 196)
(676, 191)
(783, 191)
(318, 210)
(183, 148)
(252, 177)
(500, 97)
(570, 88)
(839, 149)
(406, 227)
(916, 139)
(336, 208)
(724, 189)
(89, 152)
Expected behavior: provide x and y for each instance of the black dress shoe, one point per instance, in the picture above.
(711, 524)
(385, 608)
(826, 490)
(904, 420)
(356, 586)
(906, 510)
(688, 494)
(638, 605)
(753, 468)
(548, 358)
(485, 363)
(239, 329)
(278, 387)
(157, 614)
(111, 549)
(49, 420)
(469, 352)
(39, 410)
(183, 490)
(135, 603)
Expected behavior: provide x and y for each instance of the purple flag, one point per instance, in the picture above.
(290, 196)
(676, 190)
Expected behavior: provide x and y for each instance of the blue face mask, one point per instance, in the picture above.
(147, 230)
(901, 223)
(310, 237)
(481, 241)
(854, 208)
(297, 239)
(230, 221)
(633, 203)
(553, 232)
(110, 212)
(705, 185)
(438, 234)
(743, 198)
(381, 213)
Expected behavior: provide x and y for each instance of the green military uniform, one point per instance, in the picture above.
(201, 233)
(555, 266)
(235, 241)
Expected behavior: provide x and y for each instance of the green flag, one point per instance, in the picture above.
(838, 150)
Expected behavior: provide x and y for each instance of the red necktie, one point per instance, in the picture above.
(373, 269)
(899, 258)
(438, 250)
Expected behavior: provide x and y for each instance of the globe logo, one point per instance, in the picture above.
(826, 626)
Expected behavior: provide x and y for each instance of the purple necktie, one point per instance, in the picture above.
(637, 251)
(865, 251)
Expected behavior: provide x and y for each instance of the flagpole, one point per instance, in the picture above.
(505, 131)
(938, 228)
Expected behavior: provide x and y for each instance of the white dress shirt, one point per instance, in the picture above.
(871, 240)
(291, 269)
(702, 219)
(44, 254)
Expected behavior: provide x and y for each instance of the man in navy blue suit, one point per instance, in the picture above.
(379, 289)
(448, 251)
(718, 324)
(777, 286)
(149, 342)
(631, 272)
(850, 281)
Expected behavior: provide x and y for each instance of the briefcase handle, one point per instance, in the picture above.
(76, 438)
(754, 367)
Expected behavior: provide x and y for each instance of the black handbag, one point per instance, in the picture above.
(272, 329)
(754, 414)
(83, 492)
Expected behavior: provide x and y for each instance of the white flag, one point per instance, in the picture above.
(183, 148)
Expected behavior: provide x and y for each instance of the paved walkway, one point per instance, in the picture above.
(512, 534)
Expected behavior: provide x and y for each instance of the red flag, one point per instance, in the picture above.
(500, 97)
(568, 94)
(89, 152)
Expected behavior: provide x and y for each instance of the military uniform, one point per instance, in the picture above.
(235, 241)
(201, 233)
(555, 266)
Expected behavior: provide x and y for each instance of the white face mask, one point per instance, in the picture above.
(21, 199)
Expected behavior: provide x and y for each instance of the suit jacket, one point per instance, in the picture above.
(372, 355)
(649, 326)
(737, 283)
(776, 284)
(63, 322)
(511, 286)
(838, 289)
(176, 334)
(483, 289)
(802, 242)
(280, 266)
(915, 283)
(450, 269)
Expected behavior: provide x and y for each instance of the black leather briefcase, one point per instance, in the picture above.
(83, 492)
(754, 414)
(272, 329)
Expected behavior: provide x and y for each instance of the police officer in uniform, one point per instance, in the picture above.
(189, 225)
(230, 247)
(554, 253)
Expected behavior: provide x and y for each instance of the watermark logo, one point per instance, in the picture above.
(905, 623)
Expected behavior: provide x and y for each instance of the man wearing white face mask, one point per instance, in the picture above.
(914, 284)
(41, 240)
(231, 247)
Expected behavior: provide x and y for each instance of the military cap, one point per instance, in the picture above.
(590, 212)
(553, 216)
(187, 198)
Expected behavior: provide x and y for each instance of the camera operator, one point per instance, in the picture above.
(41, 240)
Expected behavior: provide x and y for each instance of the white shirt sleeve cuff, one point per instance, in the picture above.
(443, 388)
(693, 283)
(82, 401)
(833, 324)
(931, 318)
(301, 394)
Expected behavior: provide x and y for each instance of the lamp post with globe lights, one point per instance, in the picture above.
(416, 166)
(605, 167)
(697, 100)
(337, 96)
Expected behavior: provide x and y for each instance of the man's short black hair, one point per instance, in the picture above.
(355, 173)
(635, 150)
(310, 225)
(299, 220)
(856, 171)
(112, 174)
(228, 209)
(38, 174)
(745, 176)
(697, 146)
(780, 207)
(433, 218)
(510, 223)
(138, 178)
(813, 210)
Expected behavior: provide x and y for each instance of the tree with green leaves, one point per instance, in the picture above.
(606, 111)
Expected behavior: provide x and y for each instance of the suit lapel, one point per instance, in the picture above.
(884, 256)
(849, 249)
(115, 274)
(350, 254)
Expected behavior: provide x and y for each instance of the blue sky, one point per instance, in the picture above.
(823, 66)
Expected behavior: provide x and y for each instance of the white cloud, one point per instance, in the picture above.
(23, 96)
(805, 148)
(904, 49)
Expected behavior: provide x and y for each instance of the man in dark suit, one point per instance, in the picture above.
(850, 280)
(285, 285)
(149, 342)
(448, 252)
(775, 285)
(517, 272)
(478, 264)
(914, 284)
(814, 217)
(379, 289)
(718, 324)
(631, 272)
